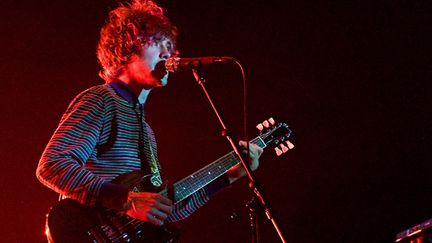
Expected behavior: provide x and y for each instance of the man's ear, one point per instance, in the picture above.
(132, 33)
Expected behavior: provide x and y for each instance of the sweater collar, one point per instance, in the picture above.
(124, 91)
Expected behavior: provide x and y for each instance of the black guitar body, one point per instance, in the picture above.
(70, 221)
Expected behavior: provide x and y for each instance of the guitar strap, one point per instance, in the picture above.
(147, 154)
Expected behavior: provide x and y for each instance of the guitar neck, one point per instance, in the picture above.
(196, 181)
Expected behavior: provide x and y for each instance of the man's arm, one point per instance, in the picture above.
(61, 166)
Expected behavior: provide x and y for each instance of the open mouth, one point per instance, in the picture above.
(159, 71)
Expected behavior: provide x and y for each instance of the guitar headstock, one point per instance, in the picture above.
(276, 135)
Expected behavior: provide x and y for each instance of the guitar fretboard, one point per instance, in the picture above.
(192, 183)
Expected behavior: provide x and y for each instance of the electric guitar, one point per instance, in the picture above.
(70, 221)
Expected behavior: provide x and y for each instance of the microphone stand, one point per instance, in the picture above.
(253, 185)
(252, 207)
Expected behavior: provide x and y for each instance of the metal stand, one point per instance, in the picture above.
(253, 219)
(252, 182)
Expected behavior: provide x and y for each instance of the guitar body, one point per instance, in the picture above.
(70, 221)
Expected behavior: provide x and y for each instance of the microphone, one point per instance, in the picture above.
(176, 64)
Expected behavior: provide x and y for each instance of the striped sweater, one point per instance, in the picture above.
(98, 139)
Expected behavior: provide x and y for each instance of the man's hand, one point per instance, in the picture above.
(149, 207)
(238, 171)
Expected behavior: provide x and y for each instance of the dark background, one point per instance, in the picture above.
(352, 78)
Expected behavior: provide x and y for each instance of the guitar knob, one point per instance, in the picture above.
(260, 127)
(289, 144)
(271, 121)
(266, 124)
(278, 151)
(284, 148)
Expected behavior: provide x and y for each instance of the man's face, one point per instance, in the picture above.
(149, 69)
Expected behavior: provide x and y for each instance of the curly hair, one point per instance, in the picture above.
(128, 29)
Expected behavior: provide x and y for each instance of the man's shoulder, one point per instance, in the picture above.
(97, 90)
(97, 93)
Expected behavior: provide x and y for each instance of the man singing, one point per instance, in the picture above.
(104, 133)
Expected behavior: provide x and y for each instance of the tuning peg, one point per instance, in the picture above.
(284, 148)
(278, 151)
(271, 121)
(266, 124)
(289, 144)
(260, 127)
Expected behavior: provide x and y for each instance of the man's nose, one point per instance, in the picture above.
(164, 54)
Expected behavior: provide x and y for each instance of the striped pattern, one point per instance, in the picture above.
(97, 140)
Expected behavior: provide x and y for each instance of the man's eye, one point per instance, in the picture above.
(169, 46)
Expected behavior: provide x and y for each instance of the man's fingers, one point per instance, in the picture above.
(158, 214)
(142, 196)
(164, 208)
(151, 198)
(154, 220)
(259, 150)
(164, 200)
(255, 151)
(143, 201)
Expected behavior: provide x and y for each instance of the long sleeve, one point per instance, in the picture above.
(61, 166)
(198, 199)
